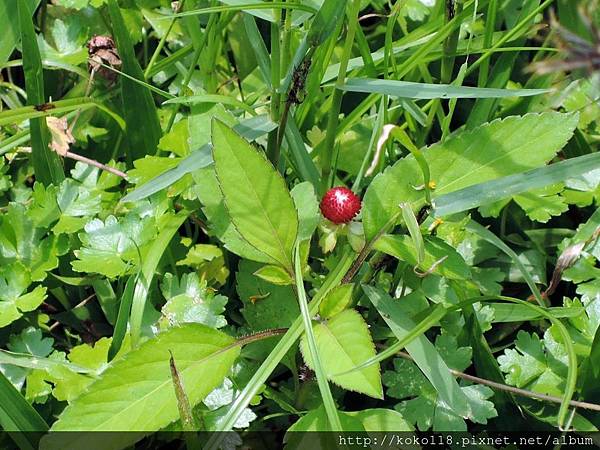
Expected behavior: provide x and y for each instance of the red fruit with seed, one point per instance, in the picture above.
(340, 205)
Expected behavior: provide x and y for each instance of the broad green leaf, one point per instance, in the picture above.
(338, 299)
(408, 89)
(422, 351)
(316, 420)
(135, 393)
(344, 342)
(500, 148)
(198, 159)
(381, 419)
(256, 196)
(219, 220)
(275, 275)
(440, 258)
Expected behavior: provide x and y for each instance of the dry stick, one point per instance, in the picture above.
(85, 160)
(93, 162)
(512, 389)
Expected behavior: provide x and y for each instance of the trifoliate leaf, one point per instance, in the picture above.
(30, 341)
(190, 301)
(457, 358)
(68, 384)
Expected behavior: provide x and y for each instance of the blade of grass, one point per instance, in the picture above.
(122, 317)
(11, 32)
(17, 115)
(423, 352)
(19, 416)
(328, 402)
(250, 129)
(407, 89)
(415, 232)
(487, 235)
(501, 188)
(211, 98)
(249, 7)
(139, 109)
(46, 163)
(149, 265)
(260, 49)
(328, 144)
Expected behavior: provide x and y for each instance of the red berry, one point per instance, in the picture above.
(340, 205)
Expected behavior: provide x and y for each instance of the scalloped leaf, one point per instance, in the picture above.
(344, 342)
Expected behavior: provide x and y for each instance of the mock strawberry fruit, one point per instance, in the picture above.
(340, 205)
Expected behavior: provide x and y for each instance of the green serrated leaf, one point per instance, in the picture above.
(497, 149)
(111, 248)
(118, 401)
(344, 342)
(256, 196)
(541, 204)
(338, 299)
(275, 275)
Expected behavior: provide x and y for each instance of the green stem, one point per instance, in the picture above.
(273, 150)
(490, 26)
(160, 45)
(334, 112)
(278, 353)
(190, 72)
(328, 402)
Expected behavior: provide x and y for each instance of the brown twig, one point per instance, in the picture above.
(97, 164)
(512, 389)
(86, 160)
